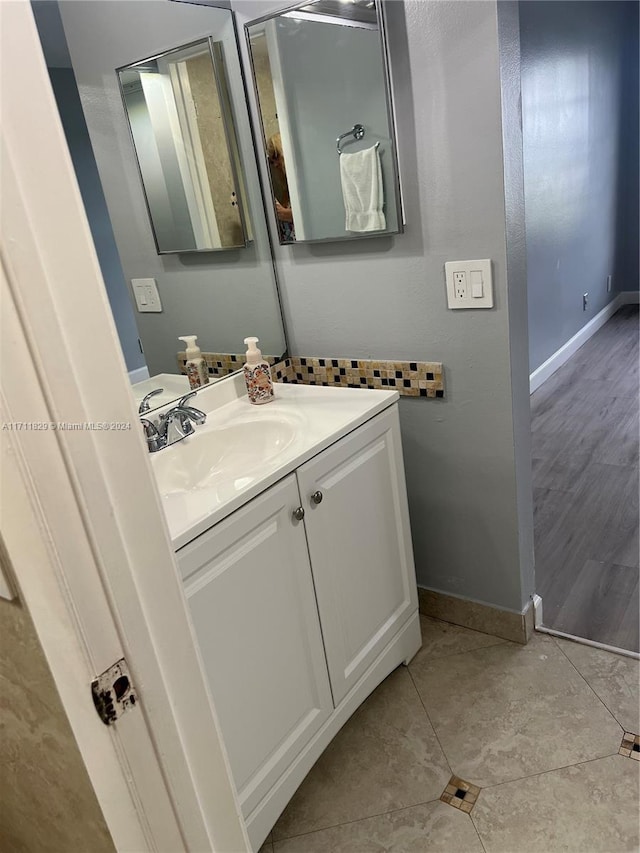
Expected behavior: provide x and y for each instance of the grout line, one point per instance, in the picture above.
(462, 627)
(433, 728)
(544, 772)
(500, 641)
(356, 820)
(602, 702)
(473, 824)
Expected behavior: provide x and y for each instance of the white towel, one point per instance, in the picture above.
(362, 190)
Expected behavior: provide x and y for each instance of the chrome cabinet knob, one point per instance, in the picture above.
(316, 497)
(298, 514)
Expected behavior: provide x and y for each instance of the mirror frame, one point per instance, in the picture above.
(216, 53)
(390, 108)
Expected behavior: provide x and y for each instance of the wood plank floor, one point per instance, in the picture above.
(585, 427)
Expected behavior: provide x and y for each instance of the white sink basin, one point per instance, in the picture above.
(242, 449)
(222, 454)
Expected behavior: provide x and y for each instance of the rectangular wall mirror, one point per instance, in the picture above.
(183, 130)
(321, 79)
(220, 296)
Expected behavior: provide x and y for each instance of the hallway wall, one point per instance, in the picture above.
(54, 45)
(75, 128)
(579, 110)
(628, 251)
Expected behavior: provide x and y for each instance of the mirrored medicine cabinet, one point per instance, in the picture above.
(320, 72)
(183, 131)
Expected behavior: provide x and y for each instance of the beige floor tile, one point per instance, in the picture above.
(433, 827)
(510, 711)
(589, 808)
(443, 638)
(386, 757)
(615, 679)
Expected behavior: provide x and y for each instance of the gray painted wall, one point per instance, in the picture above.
(627, 265)
(385, 298)
(221, 297)
(75, 128)
(580, 111)
(333, 79)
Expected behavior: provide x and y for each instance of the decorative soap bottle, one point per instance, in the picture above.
(257, 375)
(196, 368)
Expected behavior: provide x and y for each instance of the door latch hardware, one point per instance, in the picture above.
(113, 693)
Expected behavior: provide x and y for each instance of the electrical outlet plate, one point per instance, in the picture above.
(469, 284)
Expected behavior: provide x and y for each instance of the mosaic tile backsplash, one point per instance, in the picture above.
(409, 378)
(220, 363)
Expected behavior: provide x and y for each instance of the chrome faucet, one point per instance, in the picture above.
(173, 426)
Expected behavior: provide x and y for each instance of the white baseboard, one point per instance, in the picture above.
(629, 297)
(554, 362)
(138, 375)
(540, 627)
(582, 641)
(537, 610)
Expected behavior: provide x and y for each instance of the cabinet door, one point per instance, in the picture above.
(360, 546)
(250, 592)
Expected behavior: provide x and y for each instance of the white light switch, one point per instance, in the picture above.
(476, 284)
(146, 294)
(477, 291)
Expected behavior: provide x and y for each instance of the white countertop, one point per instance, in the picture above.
(315, 417)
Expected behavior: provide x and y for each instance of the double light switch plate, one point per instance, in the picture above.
(146, 294)
(469, 284)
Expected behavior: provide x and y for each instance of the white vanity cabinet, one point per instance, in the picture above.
(249, 587)
(302, 602)
(357, 526)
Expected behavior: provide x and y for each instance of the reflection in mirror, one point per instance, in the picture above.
(220, 296)
(182, 128)
(321, 81)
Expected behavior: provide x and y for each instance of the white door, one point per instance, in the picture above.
(82, 522)
(250, 592)
(360, 546)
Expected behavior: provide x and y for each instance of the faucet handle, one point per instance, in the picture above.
(144, 403)
(182, 402)
(150, 429)
(154, 440)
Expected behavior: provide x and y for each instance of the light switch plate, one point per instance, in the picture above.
(478, 289)
(146, 294)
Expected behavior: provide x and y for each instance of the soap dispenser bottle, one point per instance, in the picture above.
(257, 374)
(196, 368)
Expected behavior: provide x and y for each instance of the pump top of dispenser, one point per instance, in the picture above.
(193, 350)
(254, 356)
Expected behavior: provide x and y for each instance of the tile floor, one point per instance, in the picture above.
(536, 728)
